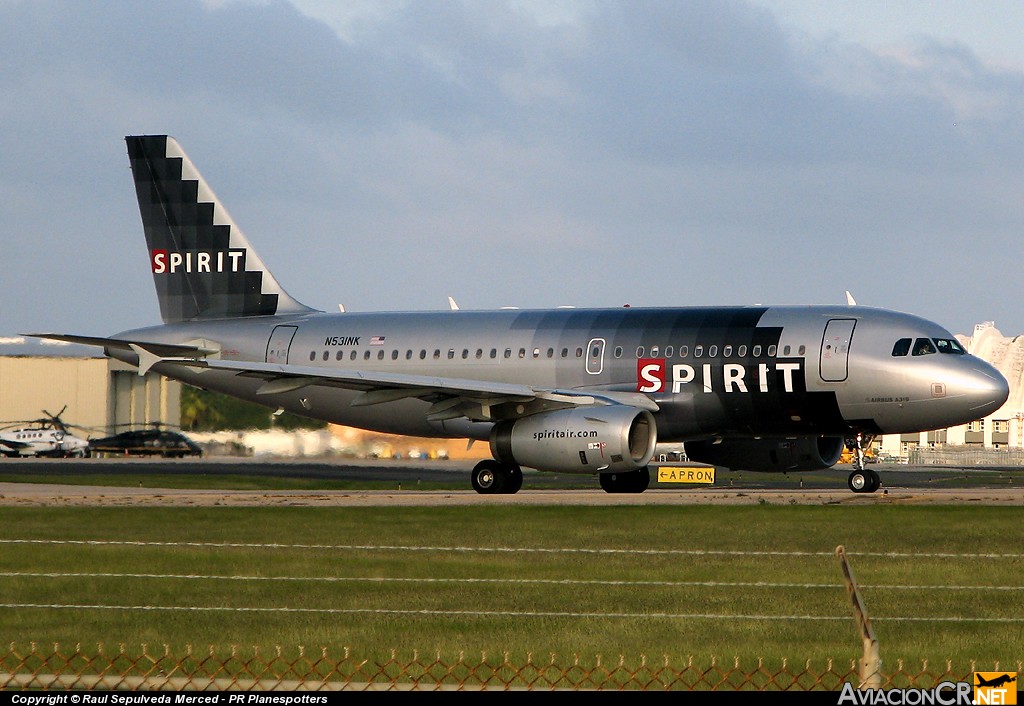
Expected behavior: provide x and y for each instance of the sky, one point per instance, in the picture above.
(385, 155)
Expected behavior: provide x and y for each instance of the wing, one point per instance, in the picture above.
(451, 398)
(477, 400)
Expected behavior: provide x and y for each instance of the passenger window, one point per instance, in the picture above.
(522, 352)
(579, 352)
(727, 352)
(640, 351)
(772, 350)
(437, 354)
(408, 354)
(312, 355)
(802, 350)
(565, 352)
(508, 352)
(756, 352)
(684, 351)
(785, 351)
(698, 351)
(465, 353)
(380, 355)
(394, 354)
(654, 351)
(536, 352)
(669, 351)
(901, 347)
(924, 346)
(494, 352)
(339, 355)
(551, 352)
(712, 351)
(366, 355)
(352, 356)
(479, 353)
(741, 351)
(326, 355)
(423, 354)
(451, 353)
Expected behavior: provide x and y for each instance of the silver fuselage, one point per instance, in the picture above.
(711, 371)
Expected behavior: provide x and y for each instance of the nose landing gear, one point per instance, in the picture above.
(861, 480)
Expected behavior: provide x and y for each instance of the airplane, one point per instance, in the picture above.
(571, 390)
(46, 437)
(996, 682)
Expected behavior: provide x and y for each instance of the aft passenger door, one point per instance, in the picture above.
(279, 344)
(835, 349)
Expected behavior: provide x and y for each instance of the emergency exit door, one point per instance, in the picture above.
(280, 343)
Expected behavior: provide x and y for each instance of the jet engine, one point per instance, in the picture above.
(802, 453)
(578, 440)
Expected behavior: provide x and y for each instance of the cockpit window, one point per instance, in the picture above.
(902, 347)
(924, 346)
(950, 345)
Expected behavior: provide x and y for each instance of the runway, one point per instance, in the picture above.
(901, 485)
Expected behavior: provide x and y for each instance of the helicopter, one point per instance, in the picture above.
(154, 439)
(48, 436)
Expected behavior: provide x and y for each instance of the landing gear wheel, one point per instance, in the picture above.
(629, 482)
(513, 479)
(861, 480)
(864, 481)
(488, 478)
(876, 482)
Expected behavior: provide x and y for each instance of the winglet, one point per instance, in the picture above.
(849, 299)
(452, 304)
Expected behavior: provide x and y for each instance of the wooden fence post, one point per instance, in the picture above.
(871, 661)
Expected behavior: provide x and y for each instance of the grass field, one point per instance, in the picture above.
(941, 583)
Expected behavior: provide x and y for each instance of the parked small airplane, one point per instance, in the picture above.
(571, 390)
(48, 436)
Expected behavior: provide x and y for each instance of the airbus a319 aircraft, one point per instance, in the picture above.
(758, 388)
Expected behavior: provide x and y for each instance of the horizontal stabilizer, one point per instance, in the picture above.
(160, 350)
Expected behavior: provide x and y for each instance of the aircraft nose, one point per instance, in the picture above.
(983, 388)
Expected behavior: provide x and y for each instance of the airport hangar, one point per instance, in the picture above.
(105, 394)
(102, 395)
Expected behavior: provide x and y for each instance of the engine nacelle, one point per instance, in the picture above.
(578, 440)
(803, 453)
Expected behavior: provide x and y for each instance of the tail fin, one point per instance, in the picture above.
(203, 265)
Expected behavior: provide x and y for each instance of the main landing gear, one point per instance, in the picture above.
(862, 480)
(492, 478)
(629, 482)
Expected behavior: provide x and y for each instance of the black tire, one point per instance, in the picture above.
(627, 482)
(860, 482)
(875, 481)
(513, 479)
(488, 478)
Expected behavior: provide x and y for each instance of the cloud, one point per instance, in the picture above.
(388, 154)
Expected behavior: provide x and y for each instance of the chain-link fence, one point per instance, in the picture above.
(966, 456)
(146, 667)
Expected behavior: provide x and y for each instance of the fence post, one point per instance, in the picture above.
(871, 661)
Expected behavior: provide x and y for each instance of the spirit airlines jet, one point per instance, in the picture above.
(568, 390)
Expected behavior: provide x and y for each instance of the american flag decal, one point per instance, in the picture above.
(376, 340)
